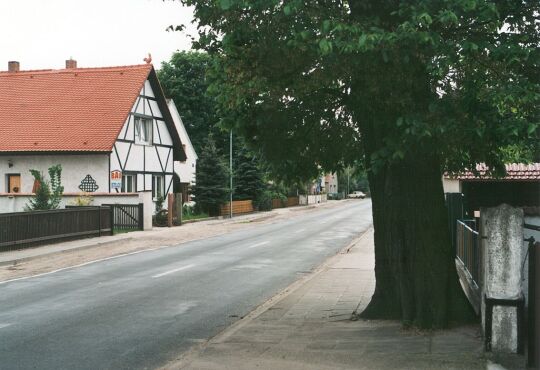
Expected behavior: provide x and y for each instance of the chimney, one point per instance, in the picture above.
(70, 63)
(13, 66)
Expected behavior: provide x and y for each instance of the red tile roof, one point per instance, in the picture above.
(79, 109)
(514, 171)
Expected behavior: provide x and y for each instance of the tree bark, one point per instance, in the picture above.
(416, 279)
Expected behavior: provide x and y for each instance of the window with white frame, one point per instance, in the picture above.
(143, 130)
(158, 186)
(129, 183)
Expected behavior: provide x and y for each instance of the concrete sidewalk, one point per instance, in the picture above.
(310, 327)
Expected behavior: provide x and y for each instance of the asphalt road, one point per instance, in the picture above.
(141, 310)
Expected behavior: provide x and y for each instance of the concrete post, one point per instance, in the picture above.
(178, 207)
(145, 198)
(502, 239)
(170, 207)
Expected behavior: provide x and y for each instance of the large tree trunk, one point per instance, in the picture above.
(416, 279)
(415, 271)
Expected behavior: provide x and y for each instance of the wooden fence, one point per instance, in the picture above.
(24, 229)
(127, 217)
(246, 206)
(293, 201)
(289, 202)
(238, 207)
(278, 203)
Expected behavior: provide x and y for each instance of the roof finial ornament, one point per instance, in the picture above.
(148, 59)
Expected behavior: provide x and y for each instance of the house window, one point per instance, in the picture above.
(129, 184)
(143, 130)
(14, 183)
(158, 186)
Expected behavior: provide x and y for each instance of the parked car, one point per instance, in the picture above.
(357, 194)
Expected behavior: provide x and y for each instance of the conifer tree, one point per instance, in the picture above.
(248, 177)
(211, 189)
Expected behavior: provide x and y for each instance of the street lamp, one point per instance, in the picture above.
(231, 173)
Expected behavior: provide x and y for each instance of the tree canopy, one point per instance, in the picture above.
(288, 69)
(184, 80)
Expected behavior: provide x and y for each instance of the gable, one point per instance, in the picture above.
(157, 91)
(146, 106)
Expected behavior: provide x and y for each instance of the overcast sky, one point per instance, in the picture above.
(44, 33)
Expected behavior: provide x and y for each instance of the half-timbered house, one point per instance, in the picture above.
(110, 129)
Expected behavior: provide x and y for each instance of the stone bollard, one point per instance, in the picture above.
(502, 239)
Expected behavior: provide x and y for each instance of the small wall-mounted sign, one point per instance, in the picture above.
(116, 180)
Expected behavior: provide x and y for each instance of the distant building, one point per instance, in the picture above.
(331, 183)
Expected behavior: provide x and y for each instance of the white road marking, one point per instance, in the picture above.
(4, 325)
(173, 271)
(258, 244)
(299, 231)
(81, 264)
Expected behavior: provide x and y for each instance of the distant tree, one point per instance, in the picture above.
(48, 193)
(353, 178)
(184, 80)
(248, 176)
(211, 188)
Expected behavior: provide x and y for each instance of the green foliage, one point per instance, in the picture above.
(159, 203)
(305, 81)
(355, 177)
(83, 200)
(211, 189)
(190, 212)
(248, 177)
(49, 193)
(184, 80)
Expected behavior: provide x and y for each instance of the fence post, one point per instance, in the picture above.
(170, 206)
(531, 317)
(454, 207)
(179, 208)
(502, 227)
(141, 216)
(99, 220)
(111, 217)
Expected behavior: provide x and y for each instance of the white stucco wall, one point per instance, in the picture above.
(312, 199)
(74, 170)
(17, 202)
(185, 170)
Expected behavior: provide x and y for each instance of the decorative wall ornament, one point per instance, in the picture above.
(88, 184)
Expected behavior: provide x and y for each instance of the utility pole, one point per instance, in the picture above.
(348, 175)
(231, 173)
